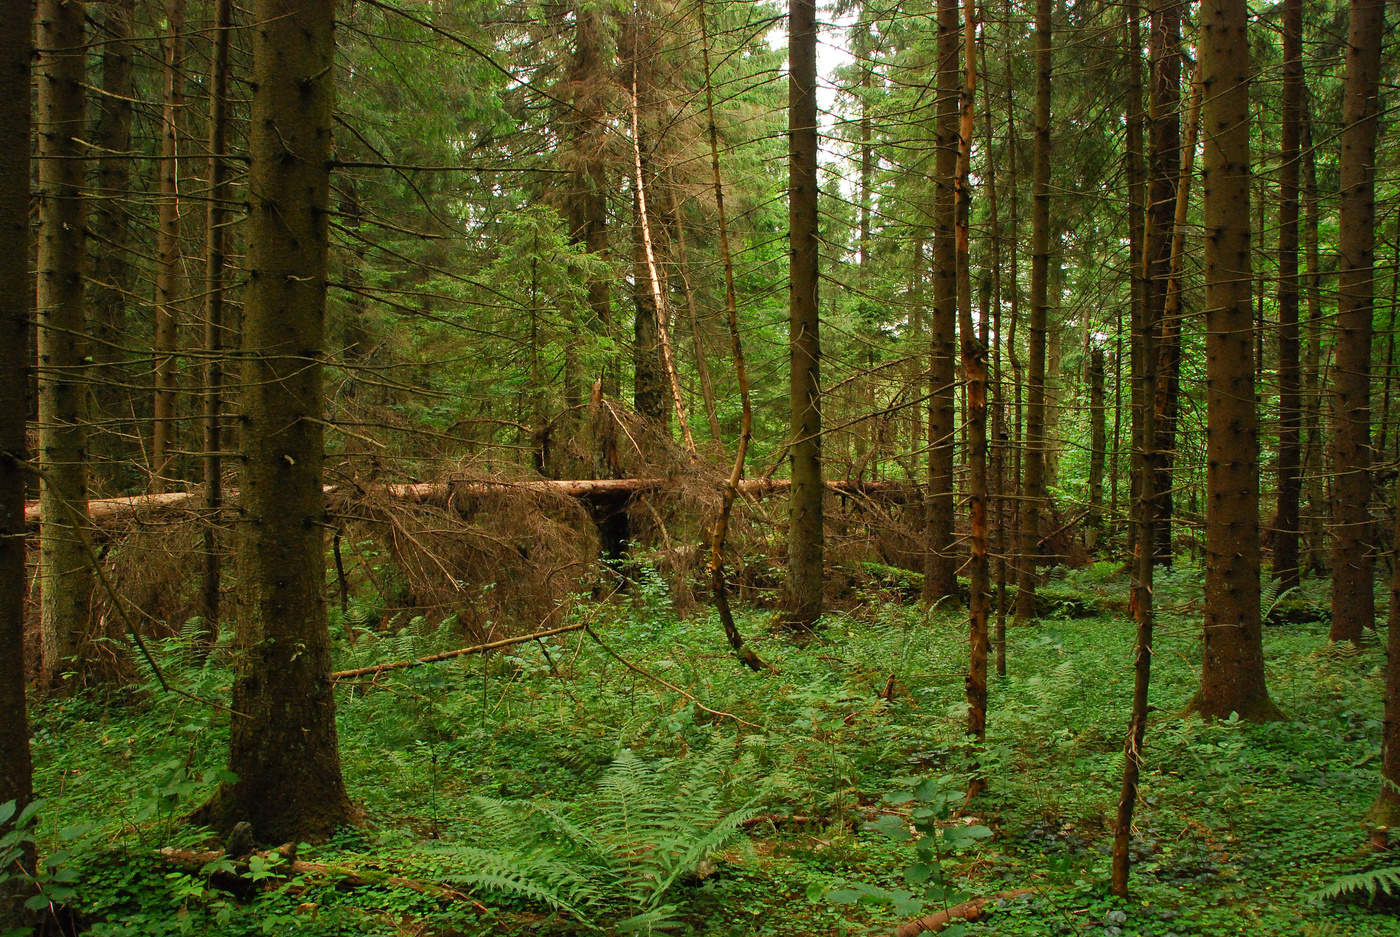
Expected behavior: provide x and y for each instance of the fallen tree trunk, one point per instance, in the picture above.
(106, 511)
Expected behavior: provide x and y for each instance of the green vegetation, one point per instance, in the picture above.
(566, 794)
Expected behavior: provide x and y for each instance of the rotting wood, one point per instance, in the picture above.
(973, 910)
(104, 511)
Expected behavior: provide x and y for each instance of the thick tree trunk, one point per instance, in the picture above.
(648, 376)
(112, 274)
(65, 578)
(168, 250)
(1033, 493)
(1353, 598)
(940, 567)
(16, 783)
(805, 533)
(283, 739)
(1232, 670)
(1286, 526)
(1164, 166)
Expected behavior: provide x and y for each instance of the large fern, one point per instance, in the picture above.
(1372, 882)
(614, 857)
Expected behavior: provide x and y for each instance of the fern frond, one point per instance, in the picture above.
(1371, 882)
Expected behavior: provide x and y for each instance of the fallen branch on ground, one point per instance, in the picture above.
(973, 910)
(345, 875)
(448, 655)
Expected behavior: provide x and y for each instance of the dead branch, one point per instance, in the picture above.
(973, 910)
(448, 655)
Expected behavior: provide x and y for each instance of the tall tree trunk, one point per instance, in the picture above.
(168, 250)
(1033, 493)
(1098, 441)
(1286, 527)
(216, 250)
(702, 365)
(65, 577)
(16, 782)
(1353, 598)
(1312, 360)
(1164, 157)
(282, 744)
(998, 443)
(1232, 670)
(586, 209)
(1143, 351)
(940, 567)
(974, 363)
(111, 280)
(805, 534)
(1385, 812)
(1137, 214)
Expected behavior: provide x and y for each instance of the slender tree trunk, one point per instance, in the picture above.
(1286, 526)
(1164, 166)
(718, 583)
(1232, 670)
(1312, 361)
(1138, 316)
(702, 365)
(168, 250)
(998, 443)
(65, 577)
(283, 745)
(649, 377)
(1098, 442)
(216, 250)
(1385, 812)
(1143, 341)
(16, 782)
(111, 239)
(940, 568)
(1033, 493)
(805, 534)
(1353, 598)
(974, 363)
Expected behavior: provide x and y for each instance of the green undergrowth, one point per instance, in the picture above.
(564, 793)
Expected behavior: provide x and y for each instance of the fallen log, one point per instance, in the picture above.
(973, 910)
(104, 511)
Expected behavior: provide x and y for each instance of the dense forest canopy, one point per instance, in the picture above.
(698, 466)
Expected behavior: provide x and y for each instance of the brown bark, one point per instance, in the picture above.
(112, 273)
(974, 363)
(216, 250)
(1033, 490)
(1144, 374)
(715, 567)
(1232, 668)
(940, 567)
(1286, 525)
(65, 579)
(283, 745)
(1098, 437)
(16, 781)
(1163, 170)
(1385, 812)
(1353, 598)
(1312, 360)
(805, 533)
(973, 910)
(168, 251)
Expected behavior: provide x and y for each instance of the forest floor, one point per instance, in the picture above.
(566, 794)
